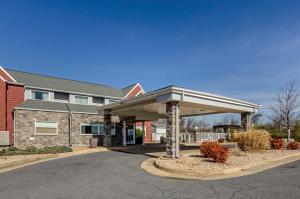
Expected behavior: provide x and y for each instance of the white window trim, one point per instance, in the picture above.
(88, 124)
(81, 96)
(40, 91)
(45, 133)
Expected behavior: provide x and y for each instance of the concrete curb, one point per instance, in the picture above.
(151, 166)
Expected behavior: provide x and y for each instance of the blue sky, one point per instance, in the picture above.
(243, 49)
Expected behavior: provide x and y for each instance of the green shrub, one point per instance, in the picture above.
(252, 140)
(33, 150)
(277, 143)
(55, 149)
(138, 133)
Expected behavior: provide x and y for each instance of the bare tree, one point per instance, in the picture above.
(190, 124)
(285, 108)
(229, 120)
(182, 125)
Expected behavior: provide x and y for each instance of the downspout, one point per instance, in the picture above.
(70, 125)
(14, 127)
(6, 89)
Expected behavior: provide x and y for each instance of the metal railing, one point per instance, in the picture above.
(201, 136)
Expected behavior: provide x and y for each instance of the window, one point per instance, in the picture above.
(61, 96)
(40, 95)
(92, 129)
(98, 100)
(46, 128)
(81, 100)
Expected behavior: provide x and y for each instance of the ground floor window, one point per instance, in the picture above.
(92, 129)
(95, 129)
(46, 128)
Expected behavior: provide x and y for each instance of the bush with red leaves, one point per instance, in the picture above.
(277, 143)
(221, 140)
(293, 145)
(205, 148)
(214, 151)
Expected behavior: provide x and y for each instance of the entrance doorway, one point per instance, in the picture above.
(130, 134)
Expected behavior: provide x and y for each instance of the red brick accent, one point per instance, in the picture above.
(2, 105)
(3, 74)
(135, 91)
(15, 96)
(11, 95)
(148, 137)
(148, 129)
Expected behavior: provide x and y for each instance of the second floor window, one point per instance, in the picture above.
(61, 96)
(81, 100)
(98, 100)
(40, 95)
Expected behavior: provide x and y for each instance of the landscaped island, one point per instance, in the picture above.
(255, 148)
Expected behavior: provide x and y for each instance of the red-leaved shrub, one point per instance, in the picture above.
(205, 148)
(214, 151)
(221, 140)
(293, 145)
(277, 143)
(219, 153)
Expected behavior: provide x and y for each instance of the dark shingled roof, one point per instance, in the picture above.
(57, 106)
(47, 82)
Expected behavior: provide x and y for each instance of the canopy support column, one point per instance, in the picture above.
(107, 128)
(172, 134)
(245, 121)
(124, 133)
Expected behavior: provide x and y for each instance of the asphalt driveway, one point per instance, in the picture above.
(118, 175)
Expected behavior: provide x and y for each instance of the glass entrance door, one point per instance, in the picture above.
(130, 134)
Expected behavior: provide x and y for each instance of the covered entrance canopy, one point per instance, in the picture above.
(174, 102)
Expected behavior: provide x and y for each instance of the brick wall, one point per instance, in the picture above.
(4, 75)
(11, 95)
(15, 96)
(148, 129)
(135, 91)
(2, 105)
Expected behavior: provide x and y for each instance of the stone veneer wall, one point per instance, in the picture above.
(25, 128)
(77, 118)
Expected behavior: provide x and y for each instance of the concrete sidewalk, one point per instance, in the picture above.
(150, 149)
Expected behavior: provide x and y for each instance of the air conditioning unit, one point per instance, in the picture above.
(4, 138)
